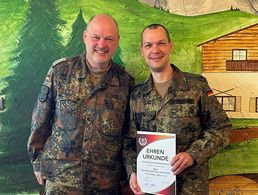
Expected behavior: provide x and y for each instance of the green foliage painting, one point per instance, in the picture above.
(35, 33)
(75, 45)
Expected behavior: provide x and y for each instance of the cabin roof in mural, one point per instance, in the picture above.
(236, 31)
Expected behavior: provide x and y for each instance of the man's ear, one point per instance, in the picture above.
(84, 35)
(171, 47)
(118, 39)
(141, 51)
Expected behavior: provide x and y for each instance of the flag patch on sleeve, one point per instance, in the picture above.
(210, 93)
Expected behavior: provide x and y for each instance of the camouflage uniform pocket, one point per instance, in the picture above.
(146, 120)
(185, 122)
(114, 104)
(112, 117)
(68, 114)
(182, 110)
(112, 123)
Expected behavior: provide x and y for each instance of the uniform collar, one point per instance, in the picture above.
(111, 78)
(178, 83)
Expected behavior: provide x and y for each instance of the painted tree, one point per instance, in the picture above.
(76, 46)
(117, 56)
(39, 44)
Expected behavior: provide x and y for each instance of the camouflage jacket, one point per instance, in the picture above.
(77, 129)
(201, 126)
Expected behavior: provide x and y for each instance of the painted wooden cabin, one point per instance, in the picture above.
(230, 63)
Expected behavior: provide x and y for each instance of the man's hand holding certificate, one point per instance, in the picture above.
(155, 152)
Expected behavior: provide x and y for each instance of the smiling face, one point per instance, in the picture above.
(156, 48)
(101, 39)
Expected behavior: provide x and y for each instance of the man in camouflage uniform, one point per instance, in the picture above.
(173, 101)
(78, 127)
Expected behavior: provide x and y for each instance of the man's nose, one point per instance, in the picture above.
(101, 43)
(155, 48)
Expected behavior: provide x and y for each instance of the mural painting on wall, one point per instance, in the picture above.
(218, 40)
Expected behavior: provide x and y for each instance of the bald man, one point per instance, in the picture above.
(78, 130)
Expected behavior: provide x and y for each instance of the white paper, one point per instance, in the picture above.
(155, 152)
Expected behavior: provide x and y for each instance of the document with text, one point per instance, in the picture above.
(155, 151)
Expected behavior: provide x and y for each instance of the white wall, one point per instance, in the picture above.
(244, 84)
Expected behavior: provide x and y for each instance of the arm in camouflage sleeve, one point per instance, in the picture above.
(215, 126)
(129, 151)
(41, 122)
(131, 154)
